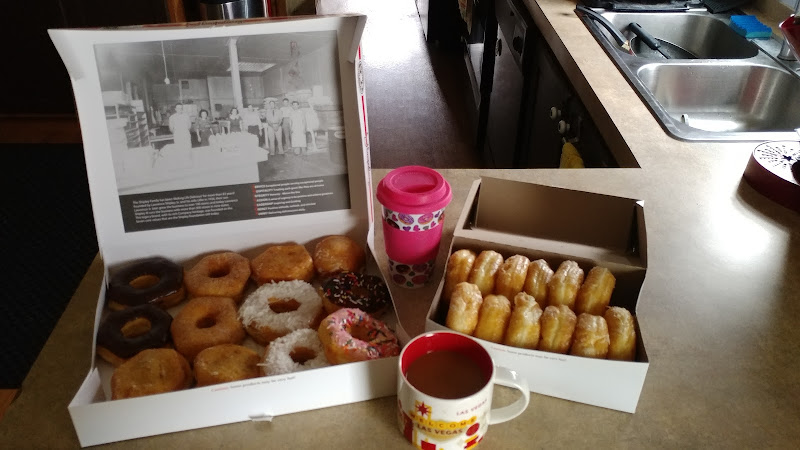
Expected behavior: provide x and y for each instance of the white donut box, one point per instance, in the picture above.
(557, 224)
(96, 418)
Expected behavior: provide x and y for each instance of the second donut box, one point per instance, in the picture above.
(555, 224)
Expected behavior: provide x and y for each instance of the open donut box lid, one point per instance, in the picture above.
(226, 196)
(557, 224)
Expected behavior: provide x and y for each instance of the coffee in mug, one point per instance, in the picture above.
(444, 394)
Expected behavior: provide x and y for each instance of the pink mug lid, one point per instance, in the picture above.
(414, 190)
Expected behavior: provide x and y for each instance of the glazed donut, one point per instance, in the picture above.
(563, 286)
(462, 315)
(153, 280)
(523, 327)
(124, 333)
(336, 254)
(351, 335)
(218, 275)
(510, 277)
(621, 333)
(224, 363)
(595, 292)
(539, 274)
(277, 309)
(151, 371)
(282, 263)
(459, 265)
(205, 322)
(354, 290)
(298, 350)
(493, 318)
(591, 337)
(484, 271)
(558, 324)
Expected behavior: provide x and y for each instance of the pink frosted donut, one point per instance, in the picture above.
(350, 335)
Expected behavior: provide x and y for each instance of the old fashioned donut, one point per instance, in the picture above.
(484, 271)
(277, 309)
(493, 318)
(205, 322)
(465, 304)
(557, 326)
(350, 335)
(510, 277)
(218, 275)
(621, 333)
(298, 350)
(354, 290)
(153, 280)
(123, 334)
(539, 274)
(336, 254)
(282, 263)
(224, 363)
(590, 339)
(151, 371)
(523, 327)
(594, 294)
(562, 289)
(459, 266)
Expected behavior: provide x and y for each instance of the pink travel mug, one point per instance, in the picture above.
(413, 200)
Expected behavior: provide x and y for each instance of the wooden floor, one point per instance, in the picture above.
(418, 101)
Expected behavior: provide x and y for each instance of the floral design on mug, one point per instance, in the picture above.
(413, 222)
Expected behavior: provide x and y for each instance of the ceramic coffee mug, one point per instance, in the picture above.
(444, 391)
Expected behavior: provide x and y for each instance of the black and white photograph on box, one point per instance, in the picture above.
(190, 117)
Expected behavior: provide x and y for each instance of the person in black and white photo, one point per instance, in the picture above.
(180, 125)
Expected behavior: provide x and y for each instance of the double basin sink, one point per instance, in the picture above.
(714, 85)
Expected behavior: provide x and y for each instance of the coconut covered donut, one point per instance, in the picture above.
(298, 350)
(277, 309)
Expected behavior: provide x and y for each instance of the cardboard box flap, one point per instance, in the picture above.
(559, 219)
(148, 194)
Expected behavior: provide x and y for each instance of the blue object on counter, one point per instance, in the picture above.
(750, 27)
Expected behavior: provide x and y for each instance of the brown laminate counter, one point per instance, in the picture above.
(718, 309)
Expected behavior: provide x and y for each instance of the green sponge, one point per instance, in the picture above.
(750, 27)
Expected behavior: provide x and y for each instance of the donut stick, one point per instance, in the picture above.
(591, 337)
(493, 318)
(462, 316)
(459, 265)
(563, 286)
(621, 333)
(511, 276)
(539, 274)
(484, 271)
(558, 324)
(523, 327)
(595, 292)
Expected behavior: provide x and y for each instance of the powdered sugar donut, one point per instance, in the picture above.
(277, 309)
(298, 350)
(350, 335)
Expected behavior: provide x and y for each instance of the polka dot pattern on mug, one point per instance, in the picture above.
(411, 275)
(413, 222)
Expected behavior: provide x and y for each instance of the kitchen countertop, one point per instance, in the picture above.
(718, 309)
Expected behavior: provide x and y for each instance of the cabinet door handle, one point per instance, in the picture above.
(499, 47)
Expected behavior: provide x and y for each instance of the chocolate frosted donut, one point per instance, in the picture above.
(354, 290)
(123, 334)
(153, 280)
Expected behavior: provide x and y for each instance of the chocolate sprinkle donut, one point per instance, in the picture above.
(354, 290)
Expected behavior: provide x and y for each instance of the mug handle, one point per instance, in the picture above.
(512, 379)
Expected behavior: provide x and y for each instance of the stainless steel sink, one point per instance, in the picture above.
(724, 98)
(733, 91)
(698, 33)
